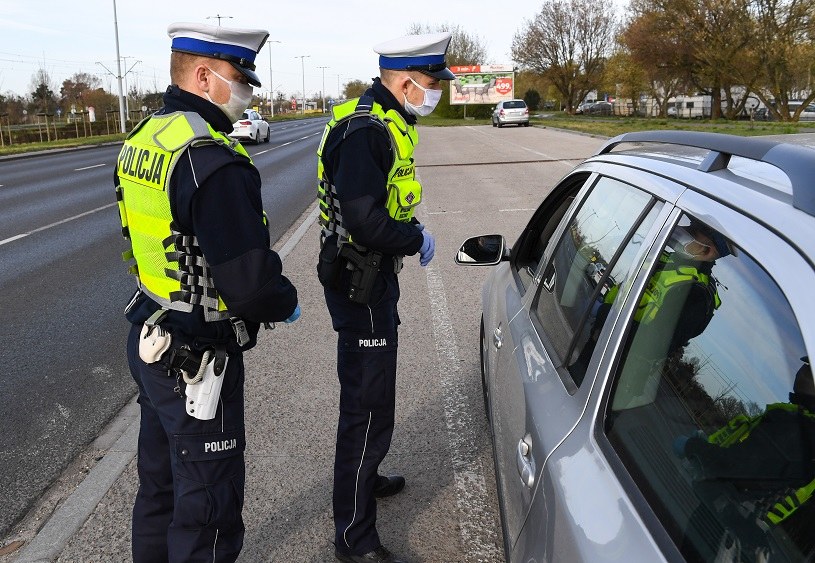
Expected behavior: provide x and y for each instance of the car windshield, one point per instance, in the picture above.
(513, 104)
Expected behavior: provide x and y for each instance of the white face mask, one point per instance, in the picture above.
(429, 103)
(239, 98)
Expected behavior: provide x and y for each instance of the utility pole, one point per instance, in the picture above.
(303, 70)
(219, 17)
(122, 117)
(124, 77)
(271, 80)
(339, 92)
(323, 92)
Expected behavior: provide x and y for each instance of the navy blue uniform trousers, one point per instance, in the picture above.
(191, 472)
(366, 366)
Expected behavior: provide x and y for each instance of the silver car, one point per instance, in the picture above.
(645, 351)
(510, 111)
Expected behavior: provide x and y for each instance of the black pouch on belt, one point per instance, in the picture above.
(331, 264)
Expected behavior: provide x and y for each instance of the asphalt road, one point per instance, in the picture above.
(63, 286)
(477, 180)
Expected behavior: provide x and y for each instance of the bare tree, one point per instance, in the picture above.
(785, 49)
(568, 41)
(464, 49)
(42, 91)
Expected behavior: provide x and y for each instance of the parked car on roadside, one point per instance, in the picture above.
(510, 111)
(251, 127)
(582, 108)
(600, 108)
(645, 355)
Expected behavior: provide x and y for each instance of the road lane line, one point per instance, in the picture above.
(56, 223)
(475, 522)
(89, 167)
(289, 143)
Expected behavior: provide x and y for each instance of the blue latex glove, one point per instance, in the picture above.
(428, 248)
(294, 316)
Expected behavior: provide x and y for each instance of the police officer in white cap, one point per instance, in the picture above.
(190, 203)
(368, 192)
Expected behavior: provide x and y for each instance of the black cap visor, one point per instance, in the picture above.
(250, 74)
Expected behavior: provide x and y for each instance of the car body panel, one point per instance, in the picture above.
(565, 495)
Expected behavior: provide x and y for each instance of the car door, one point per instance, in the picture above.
(542, 392)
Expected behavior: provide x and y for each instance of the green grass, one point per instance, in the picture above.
(612, 126)
(62, 143)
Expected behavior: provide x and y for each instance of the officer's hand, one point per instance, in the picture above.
(419, 226)
(294, 316)
(428, 248)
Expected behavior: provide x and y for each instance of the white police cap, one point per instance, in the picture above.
(236, 46)
(425, 53)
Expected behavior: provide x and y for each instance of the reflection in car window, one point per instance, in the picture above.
(533, 242)
(713, 406)
(569, 285)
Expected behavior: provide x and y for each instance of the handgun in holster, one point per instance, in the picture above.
(364, 268)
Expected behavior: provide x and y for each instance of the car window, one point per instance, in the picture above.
(712, 408)
(244, 115)
(577, 273)
(529, 249)
(514, 104)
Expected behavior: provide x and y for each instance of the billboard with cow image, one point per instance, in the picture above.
(482, 84)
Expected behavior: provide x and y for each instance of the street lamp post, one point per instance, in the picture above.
(119, 74)
(271, 80)
(323, 92)
(124, 77)
(303, 70)
(219, 17)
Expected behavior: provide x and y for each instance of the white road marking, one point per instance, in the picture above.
(470, 487)
(289, 143)
(443, 212)
(89, 167)
(518, 209)
(55, 224)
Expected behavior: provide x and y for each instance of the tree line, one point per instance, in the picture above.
(658, 49)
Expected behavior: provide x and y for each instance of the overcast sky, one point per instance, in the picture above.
(68, 37)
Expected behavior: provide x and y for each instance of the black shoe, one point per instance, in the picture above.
(379, 555)
(388, 486)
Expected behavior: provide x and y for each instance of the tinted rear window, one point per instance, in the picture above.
(514, 104)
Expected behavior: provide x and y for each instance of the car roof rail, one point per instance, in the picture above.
(797, 162)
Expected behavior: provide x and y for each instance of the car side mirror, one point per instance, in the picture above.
(484, 250)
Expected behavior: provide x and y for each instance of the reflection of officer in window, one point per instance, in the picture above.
(679, 300)
(766, 459)
(683, 288)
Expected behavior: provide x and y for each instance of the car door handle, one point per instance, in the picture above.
(526, 462)
(496, 338)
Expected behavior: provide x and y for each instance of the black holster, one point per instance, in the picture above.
(364, 268)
